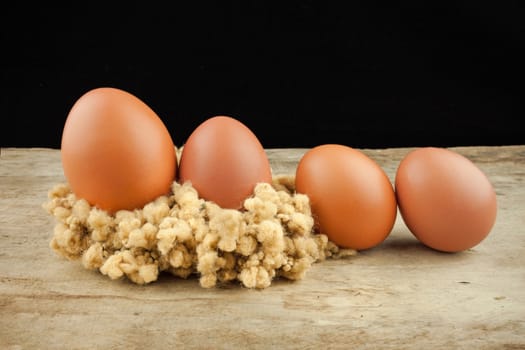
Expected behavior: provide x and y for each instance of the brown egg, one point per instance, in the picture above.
(116, 152)
(445, 200)
(224, 160)
(352, 199)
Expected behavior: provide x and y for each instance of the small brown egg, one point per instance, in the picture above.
(445, 200)
(116, 152)
(352, 199)
(224, 160)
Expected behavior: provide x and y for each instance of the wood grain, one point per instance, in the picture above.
(399, 295)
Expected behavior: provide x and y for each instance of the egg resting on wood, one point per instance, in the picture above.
(351, 196)
(445, 200)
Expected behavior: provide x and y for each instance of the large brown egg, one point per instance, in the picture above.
(116, 152)
(352, 199)
(445, 200)
(224, 160)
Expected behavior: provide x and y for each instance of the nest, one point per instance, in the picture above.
(272, 236)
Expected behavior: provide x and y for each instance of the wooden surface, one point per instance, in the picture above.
(399, 295)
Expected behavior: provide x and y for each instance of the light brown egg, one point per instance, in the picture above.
(352, 199)
(445, 200)
(116, 152)
(224, 160)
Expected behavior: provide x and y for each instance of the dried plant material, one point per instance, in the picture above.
(182, 234)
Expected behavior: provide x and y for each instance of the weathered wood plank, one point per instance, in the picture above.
(397, 295)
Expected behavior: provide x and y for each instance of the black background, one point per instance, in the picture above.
(298, 73)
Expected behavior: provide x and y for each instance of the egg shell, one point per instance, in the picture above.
(445, 200)
(224, 160)
(116, 152)
(352, 199)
